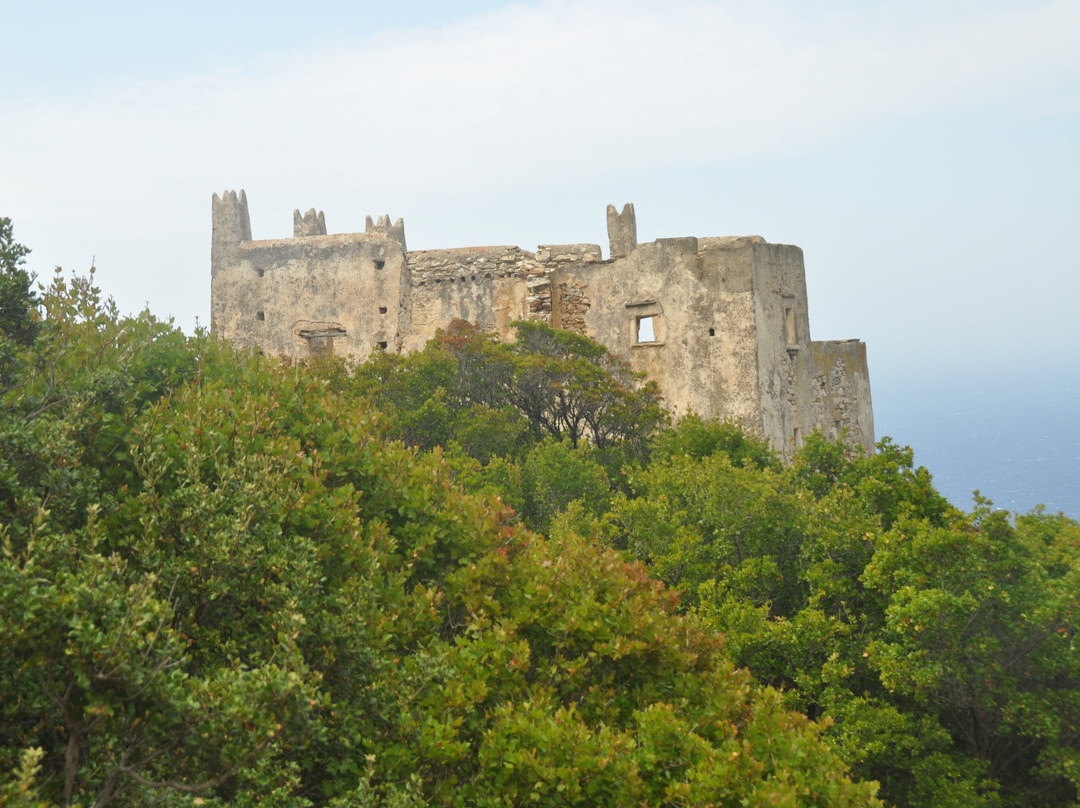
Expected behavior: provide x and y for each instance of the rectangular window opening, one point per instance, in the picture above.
(382, 309)
(320, 340)
(260, 315)
(380, 264)
(646, 331)
(320, 346)
(789, 325)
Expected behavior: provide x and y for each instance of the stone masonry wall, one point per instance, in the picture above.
(489, 286)
(833, 391)
(721, 324)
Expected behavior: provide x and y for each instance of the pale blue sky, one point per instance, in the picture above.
(923, 154)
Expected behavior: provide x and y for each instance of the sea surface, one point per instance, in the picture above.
(1015, 438)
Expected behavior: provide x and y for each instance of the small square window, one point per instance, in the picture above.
(382, 309)
(260, 315)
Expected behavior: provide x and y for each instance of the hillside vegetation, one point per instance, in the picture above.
(489, 574)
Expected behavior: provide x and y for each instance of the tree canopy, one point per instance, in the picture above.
(490, 574)
(222, 583)
(18, 317)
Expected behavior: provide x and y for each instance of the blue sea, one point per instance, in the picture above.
(1014, 437)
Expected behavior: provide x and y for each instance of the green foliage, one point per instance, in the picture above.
(107, 673)
(220, 581)
(497, 400)
(101, 672)
(18, 303)
(887, 481)
(799, 568)
(606, 698)
(979, 632)
(221, 584)
(571, 387)
(938, 642)
(456, 389)
(703, 519)
(553, 475)
(66, 420)
(697, 438)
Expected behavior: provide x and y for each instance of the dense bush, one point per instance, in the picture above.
(221, 582)
(489, 574)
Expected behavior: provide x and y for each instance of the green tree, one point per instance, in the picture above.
(555, 474)
(239, 590)
(66, 418)
(18, 303)
(571, 387)
(696, 520)
(887, 481)
(100, 672)
(938, 642)
(695, 437)
(979, 634)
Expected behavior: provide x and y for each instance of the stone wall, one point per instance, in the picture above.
(484, 285)
(278, 295)
(721, 324)
(783, 330)
(701, 353)
(833, 392)
(489, 286)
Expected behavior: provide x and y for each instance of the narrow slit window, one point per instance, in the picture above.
(789, 325)
(646, 329)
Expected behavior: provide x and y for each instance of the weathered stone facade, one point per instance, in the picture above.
(720, 323)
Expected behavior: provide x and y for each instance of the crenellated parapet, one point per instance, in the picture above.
(310, 224)
(232, 224)
(622, 230)
(395, 231)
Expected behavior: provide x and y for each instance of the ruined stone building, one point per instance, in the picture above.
(720, 323)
